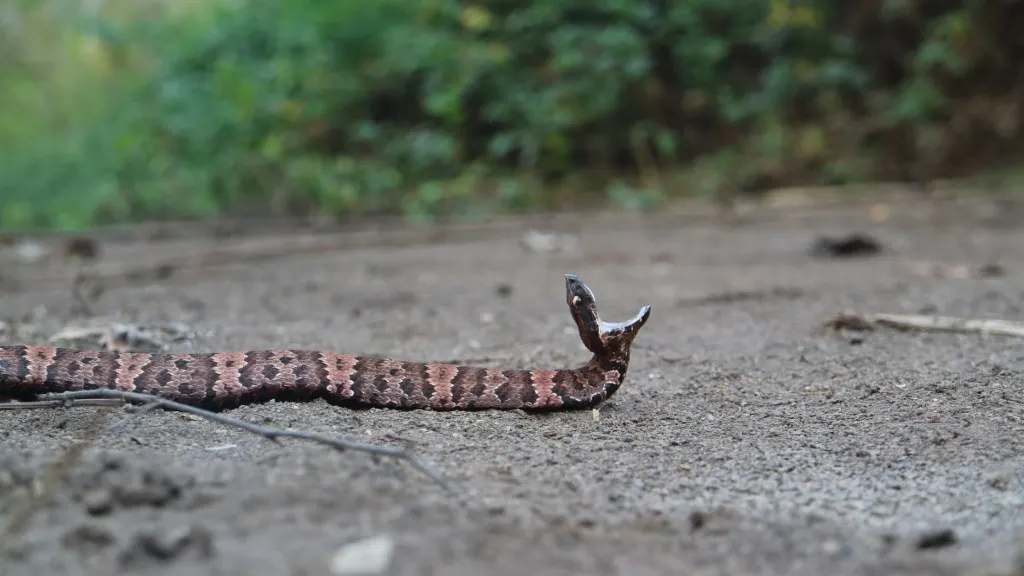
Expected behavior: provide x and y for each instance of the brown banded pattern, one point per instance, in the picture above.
(14, 370)
(339, 369)
(228, 379)
(441, 377)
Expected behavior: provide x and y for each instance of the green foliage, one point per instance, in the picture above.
(182, 110)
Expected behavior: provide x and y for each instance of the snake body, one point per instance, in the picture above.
(222, 380)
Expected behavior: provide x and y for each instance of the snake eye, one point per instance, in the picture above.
(576, 300)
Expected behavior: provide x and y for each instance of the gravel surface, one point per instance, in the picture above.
(747, 438)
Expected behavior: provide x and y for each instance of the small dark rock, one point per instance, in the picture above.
(999, 483)
(89, 536)
(991, 271)
(81, 247)
(849, 321)
(169, 544)
(849, 246)
(149, 491)
(697, 520)
(114, 462)
(98, 502)
(870, 388)
(115, 483)
(938, 539)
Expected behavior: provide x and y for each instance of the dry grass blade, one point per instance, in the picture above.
(270, 433)
(951, 324)
(926, 323)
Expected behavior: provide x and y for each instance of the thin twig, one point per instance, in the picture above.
(58, 403)
(270, 433)
(923, 323)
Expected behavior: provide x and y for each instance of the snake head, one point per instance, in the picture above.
(598, 336)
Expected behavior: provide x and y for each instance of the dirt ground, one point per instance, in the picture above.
(746, 439)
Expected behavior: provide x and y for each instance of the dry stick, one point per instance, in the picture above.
(931, 323)
(57, 403)
(270, 433)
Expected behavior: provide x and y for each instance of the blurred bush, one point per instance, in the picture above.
(127, 109)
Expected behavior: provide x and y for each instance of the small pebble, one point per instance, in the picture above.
(90, 535)
(168, 544)
(221, 447)
(937, 539)
(31, 252)
(369, 556)
(830, 547)
(698, 520)
(999, 483)
(98, 502)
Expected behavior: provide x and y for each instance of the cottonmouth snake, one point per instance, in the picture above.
(222, 380)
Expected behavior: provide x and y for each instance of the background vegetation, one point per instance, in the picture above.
(126, 109)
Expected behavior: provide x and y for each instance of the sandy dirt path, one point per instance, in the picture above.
(745, 440)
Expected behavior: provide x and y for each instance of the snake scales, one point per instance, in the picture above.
(223, 380)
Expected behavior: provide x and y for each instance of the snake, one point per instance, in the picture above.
(223, 380)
